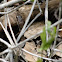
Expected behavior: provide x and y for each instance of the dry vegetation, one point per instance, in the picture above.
(21, 23)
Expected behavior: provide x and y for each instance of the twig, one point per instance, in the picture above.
(5, 51)
(7, 34)
(58, 25)
(11, 56)
(57, 50)
(5, 42)
(39, 56)
(5, 21)
(60, 29)
(57, 28)
(9, 3)
(3, 60)
(5, 9)
(46, 18)
(11, 30)
(39, 6)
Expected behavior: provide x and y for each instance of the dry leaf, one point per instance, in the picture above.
(34, 29)
(30, 46)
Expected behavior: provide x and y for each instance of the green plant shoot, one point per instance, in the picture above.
(52, 32)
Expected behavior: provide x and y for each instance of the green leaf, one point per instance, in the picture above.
(46, 45)
(43, 36)
(48, 26)
(52, 32)
(39, 60)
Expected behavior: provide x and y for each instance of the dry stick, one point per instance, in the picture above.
(23, 56)
(3, 60)
(27, 20)
(5, 21)
(9, 3)
(57, 50)
(39, 6)
(11, 30)
(11, 56)
(5, 42)
(40, 56)
(5, 9)
(58, 25)
(60, 29)
(57, 28)
(5, 51)
(46, 20)
(15, 8)
(8, 35)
